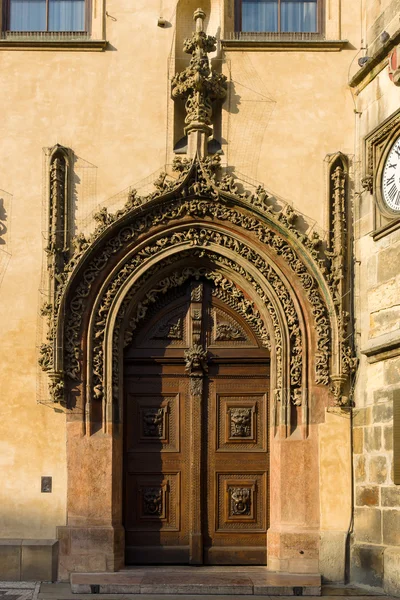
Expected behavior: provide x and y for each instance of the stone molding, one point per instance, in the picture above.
(265, 238)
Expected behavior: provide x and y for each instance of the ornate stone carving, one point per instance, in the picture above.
(339, 279)
(171, 330)
(240, 501)
(367, 183)
(200, 174)
(152, 501)
(153, 422)
(199, 85)
(240, 422)
(226, 332)
(57, 250)
(196, 360)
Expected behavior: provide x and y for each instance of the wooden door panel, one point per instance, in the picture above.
(196, 483)
(156, 465)
(237, 464)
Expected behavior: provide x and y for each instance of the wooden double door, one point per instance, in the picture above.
(196, 442)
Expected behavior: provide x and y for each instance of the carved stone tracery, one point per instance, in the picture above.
(203, 175)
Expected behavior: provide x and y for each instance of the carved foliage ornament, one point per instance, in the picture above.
(199, 85)
(197, 208)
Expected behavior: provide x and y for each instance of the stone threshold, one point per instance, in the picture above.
(246, 581)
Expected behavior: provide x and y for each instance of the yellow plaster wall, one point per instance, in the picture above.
(111, 108)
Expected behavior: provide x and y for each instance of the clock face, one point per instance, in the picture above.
(391, 178)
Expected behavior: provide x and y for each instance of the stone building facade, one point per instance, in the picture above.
(180, 214)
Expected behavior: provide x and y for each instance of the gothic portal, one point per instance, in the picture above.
(196, 339)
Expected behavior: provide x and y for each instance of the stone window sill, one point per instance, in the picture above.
(285, 45)
(40, 41)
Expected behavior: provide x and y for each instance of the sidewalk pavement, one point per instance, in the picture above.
(62, 591)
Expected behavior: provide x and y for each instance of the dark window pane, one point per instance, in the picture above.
(67, 15)
(298, 15)
(27, 15)
(259, 15)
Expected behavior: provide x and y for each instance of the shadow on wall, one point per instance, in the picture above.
(3, 219)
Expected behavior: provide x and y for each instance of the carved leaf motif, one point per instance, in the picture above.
(226, 332)
(171, 330)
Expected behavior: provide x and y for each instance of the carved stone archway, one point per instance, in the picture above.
(282, 284)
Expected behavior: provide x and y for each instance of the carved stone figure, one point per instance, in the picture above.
(240, 421)
(199, 85)
(153, 422)
(196, 359)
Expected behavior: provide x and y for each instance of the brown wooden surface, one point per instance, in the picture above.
(226, 502)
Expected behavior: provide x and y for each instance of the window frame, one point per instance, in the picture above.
(319, 28)
(87, 20)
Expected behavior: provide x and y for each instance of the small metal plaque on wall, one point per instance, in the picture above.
(47, 484)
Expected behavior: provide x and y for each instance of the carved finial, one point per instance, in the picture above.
(198, 16)
(199, 85)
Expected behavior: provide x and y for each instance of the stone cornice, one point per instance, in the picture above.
(376, 63)
(382, 347)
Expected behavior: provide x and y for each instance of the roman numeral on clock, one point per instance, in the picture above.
(390, 180)
(392, 192)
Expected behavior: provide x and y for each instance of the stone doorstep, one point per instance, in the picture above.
(197, 580)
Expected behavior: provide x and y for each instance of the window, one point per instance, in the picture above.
(47, 15)
(280, 16)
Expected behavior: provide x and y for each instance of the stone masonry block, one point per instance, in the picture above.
(388, 263)
(392, 371)
(383, 395)
(382, 413)
(390, 496)
(391, 558)
(373, 438)
(10, 560)
(378, 469)
(391, 527)
(367, 525)
(39, 560)
(359, 469)
(362, 416)
(367, 495)
(358, 440)
(388, 438)
(367, 565)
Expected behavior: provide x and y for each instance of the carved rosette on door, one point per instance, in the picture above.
(196, 451)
